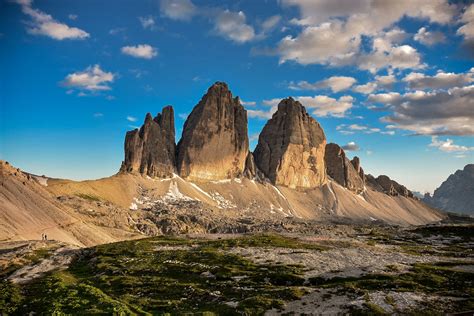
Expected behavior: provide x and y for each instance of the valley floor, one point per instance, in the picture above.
(336, 270)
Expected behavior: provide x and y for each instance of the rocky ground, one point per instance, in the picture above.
(335, 270)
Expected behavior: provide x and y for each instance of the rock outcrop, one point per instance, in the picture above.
(342, 170)
(290, 149)
(392, 187)
(151, 150)
(214, 144)
(456, 194)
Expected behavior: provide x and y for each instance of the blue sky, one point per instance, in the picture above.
(393, 82)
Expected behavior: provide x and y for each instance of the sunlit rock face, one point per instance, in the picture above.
(151, 150)
(214, 144)
(342, 170)
(290, 150)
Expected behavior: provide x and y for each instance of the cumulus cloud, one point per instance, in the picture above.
(335, 83)
(441, 80)
(233, 26)
(182, 10)
(429, 38)
(322, 105)
(332, 32)
(44, 24)
(91, 79)
(131, 119)
(140, 51)
(467, 30)
(351, 146)
(147, 22)
(319, 105)
(439, 112)
(381, 82)
(353, 128)
(448, 145)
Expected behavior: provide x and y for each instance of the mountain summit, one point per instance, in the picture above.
(456, 194)
(214, 144)
(290, 150)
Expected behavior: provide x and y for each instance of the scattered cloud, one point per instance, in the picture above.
(131, 119)
(93, 78)
(332, 32)
(270, 23)
(72, 17)
(183, 116)
(44, 24)
(140, 51)
(182, 10)
(448, 145)
(429, 38)
(98, 114)
(147, 22)
(117, 30)
(439, 112)
(351, 146)
(248, 103)
(335, 83)
(233, 26)
(441, 80)
(322, 105)
(380, 83)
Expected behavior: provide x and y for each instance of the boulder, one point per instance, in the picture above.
(290, 149)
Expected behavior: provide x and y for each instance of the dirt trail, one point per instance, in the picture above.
(59, 260)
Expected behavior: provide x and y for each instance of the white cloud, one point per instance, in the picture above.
(351, 146)
(270, 23)
(248, 103)
(441, 80)
(448, 145)
(429, 38)
(439, 112)
(232, 25)
(97, 115)
(260, 114)
(131, 119)
(183, 116)
(182, 10)
(147, 22)
(357, 127)
(467, 30)
(332, 31)
(44, 24)
(72, 17)
(381, 82)
(335, 83)
(140, 51)
(91, 79)
(322, 105)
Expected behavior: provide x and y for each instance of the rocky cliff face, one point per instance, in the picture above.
(290, 149)
(214, 144)
(151, 150)
(342, 170)
(456, 194)
(391, 187)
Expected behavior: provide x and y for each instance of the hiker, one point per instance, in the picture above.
(45, 237)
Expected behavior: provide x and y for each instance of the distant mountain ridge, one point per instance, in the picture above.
(456, 194)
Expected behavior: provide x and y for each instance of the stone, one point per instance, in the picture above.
(214, 144)
(290, 149)
(151, 150)
(342, 170)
